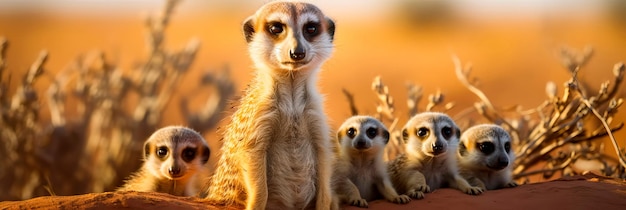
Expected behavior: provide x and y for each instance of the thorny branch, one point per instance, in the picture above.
(350, 97)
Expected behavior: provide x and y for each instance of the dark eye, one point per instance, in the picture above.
(422, 132)
(486, 147)
(275, 28)
(371, 132)
(507, 147)
(310, 28)
(161, 152)
(446, 132)
(351, 132)
(189, 154)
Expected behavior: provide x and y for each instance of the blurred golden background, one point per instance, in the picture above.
(514, 48)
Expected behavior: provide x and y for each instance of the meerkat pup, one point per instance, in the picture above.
(485, 157)
(363, 141)
(174, 160)
(431, 141)
(276, 151)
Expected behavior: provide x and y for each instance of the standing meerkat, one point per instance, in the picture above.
(363, 141)
(174, 161)
(485, 157)
(431, 140)
(276, 151)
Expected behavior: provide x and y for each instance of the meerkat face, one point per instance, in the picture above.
(486, 147)
(431, 134)
(175, 152)
(289, 35)
(363, 134)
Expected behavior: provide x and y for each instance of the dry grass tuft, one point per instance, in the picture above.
(99, 117)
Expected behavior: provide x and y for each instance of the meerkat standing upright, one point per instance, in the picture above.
(363, 141)
(174, 160)
(431, 140)
(485, 157)
(276, 151)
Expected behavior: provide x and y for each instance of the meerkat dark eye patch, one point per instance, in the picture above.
(422, 132)
(275, 28)
(161, 152)
(446, 132)
(311, 28)
(351, 132)
(507, 147)
(189, 154)
(371, 132)
(486, 147)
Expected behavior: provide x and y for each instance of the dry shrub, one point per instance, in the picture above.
(93, 147)
(547, 139)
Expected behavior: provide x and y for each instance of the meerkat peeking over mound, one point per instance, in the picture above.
(363, 141)
(276, 151)
(485, 157)
(431, 140)
(174, 158)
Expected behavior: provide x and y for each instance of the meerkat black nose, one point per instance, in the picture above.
(174, 171)
(503, 162)
(361, 144)
(437, 148)
(297, 54)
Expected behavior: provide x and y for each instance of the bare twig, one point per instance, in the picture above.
(350, 97)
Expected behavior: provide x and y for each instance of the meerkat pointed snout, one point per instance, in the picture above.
(174, 157)
(485, 157)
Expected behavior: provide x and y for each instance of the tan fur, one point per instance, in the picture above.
(363, 141)
(277, 147)
(424, 168)
(483, 157)
(187, 151)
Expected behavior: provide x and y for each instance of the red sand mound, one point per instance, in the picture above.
(580, 192)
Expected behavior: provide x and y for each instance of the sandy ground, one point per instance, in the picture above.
(514, 58)
(579, 192)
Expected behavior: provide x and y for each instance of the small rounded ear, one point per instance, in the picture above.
(386, 136)
(339, 136)
(462, 149)
(206, 153)
(248, 29)
(331, 28)
(405, 135)
(146, 149)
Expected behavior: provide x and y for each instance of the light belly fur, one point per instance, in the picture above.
(291, 168)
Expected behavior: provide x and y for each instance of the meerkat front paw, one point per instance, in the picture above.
(417, 194)
(424, 188)
(473, 190)
(512, 184)
(359, 203)
(401, 199)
